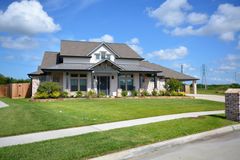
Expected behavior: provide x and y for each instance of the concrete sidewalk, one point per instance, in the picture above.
(2, 104)
(55, 134)
(210, 97)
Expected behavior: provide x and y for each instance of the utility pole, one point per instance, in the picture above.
(181, 68)
(204, 76)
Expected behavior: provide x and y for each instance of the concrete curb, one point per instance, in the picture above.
(2, 104)
(131, 153)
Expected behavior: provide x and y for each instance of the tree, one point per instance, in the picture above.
(173, 85)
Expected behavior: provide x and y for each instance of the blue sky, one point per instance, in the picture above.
(167, 32)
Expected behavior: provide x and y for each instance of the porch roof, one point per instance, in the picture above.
(90, 67)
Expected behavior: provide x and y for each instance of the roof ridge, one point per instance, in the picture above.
(93, 41)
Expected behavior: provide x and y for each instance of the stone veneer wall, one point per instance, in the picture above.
(232, 104)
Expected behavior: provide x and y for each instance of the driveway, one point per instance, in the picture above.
(2, 104)
(208, 97)
(219, 148)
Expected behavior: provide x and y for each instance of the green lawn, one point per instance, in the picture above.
(99, 143)
(24, 116)
(215, 91)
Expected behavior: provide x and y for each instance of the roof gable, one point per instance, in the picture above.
(84, 48)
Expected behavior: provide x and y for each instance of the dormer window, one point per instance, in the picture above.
(108, 56)
(103, 55)
(97, 56)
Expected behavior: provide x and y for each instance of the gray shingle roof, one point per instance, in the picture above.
(49, 59)
(83, 48)
(69, 66)
(168, 73)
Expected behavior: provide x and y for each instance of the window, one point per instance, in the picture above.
(97, 56)
(78, 82)
(126, 82)
(108, 56)
(83, 84)
(103, 55)
(74, 84)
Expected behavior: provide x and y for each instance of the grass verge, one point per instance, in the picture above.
(99, 143)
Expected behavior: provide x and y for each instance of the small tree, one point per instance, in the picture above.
(173, 85)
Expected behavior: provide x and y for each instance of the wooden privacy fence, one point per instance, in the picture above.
(16, 90)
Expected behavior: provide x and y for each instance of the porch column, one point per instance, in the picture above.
(194, 84)
(155, 81)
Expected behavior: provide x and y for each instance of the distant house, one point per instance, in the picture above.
(103, 67)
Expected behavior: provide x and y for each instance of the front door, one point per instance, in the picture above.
(103, 84)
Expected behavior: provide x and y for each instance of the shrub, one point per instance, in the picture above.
(161, 93)
(79, 94)
(181, 94)
(124, 93)
(41, 95)
(101, 94)
(55, 94)
(145, 93)
(173, 85)
(64, 94)
(134, 93)
(154, 93)
(49, 87)
(167, 93)
(174, 93)
(91, 94)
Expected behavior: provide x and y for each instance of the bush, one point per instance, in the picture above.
(161, 93)
(124, 93)
(91, 94)
(101, 94)
(49, 87)
(64, 94)
(42, 95)
(173, 85)
(144, 93)
(79, 94)
(174, 93)
(134, 93)
(154, 93)
(55, 94)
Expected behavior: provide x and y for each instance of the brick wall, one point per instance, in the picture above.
(232, 104)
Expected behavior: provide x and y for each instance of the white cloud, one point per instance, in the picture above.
(134, 44)
(197, 18)
(230, 62)
(26, 17)
(24, 42)
(170, 54)
(105, 38)
(225, 23)
(186, 67)
(171, 13)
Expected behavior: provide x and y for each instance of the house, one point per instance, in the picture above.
(103, 67)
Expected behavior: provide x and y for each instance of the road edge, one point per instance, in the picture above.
(130, 153)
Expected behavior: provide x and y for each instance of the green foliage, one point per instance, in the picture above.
(173, 85)
(144, 93)
(55, 94)
(79, 94)
(134, 93)
(154, 93)
(101, 94)
(234, 85)
(124, 93)
(41, 95)
(64, 94)
(48, 90)
(91, 94)
(49, 87)
(7, 80)
(161, 93)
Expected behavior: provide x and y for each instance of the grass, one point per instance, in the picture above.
(24, 116)
(99, 143)
(217, 89)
